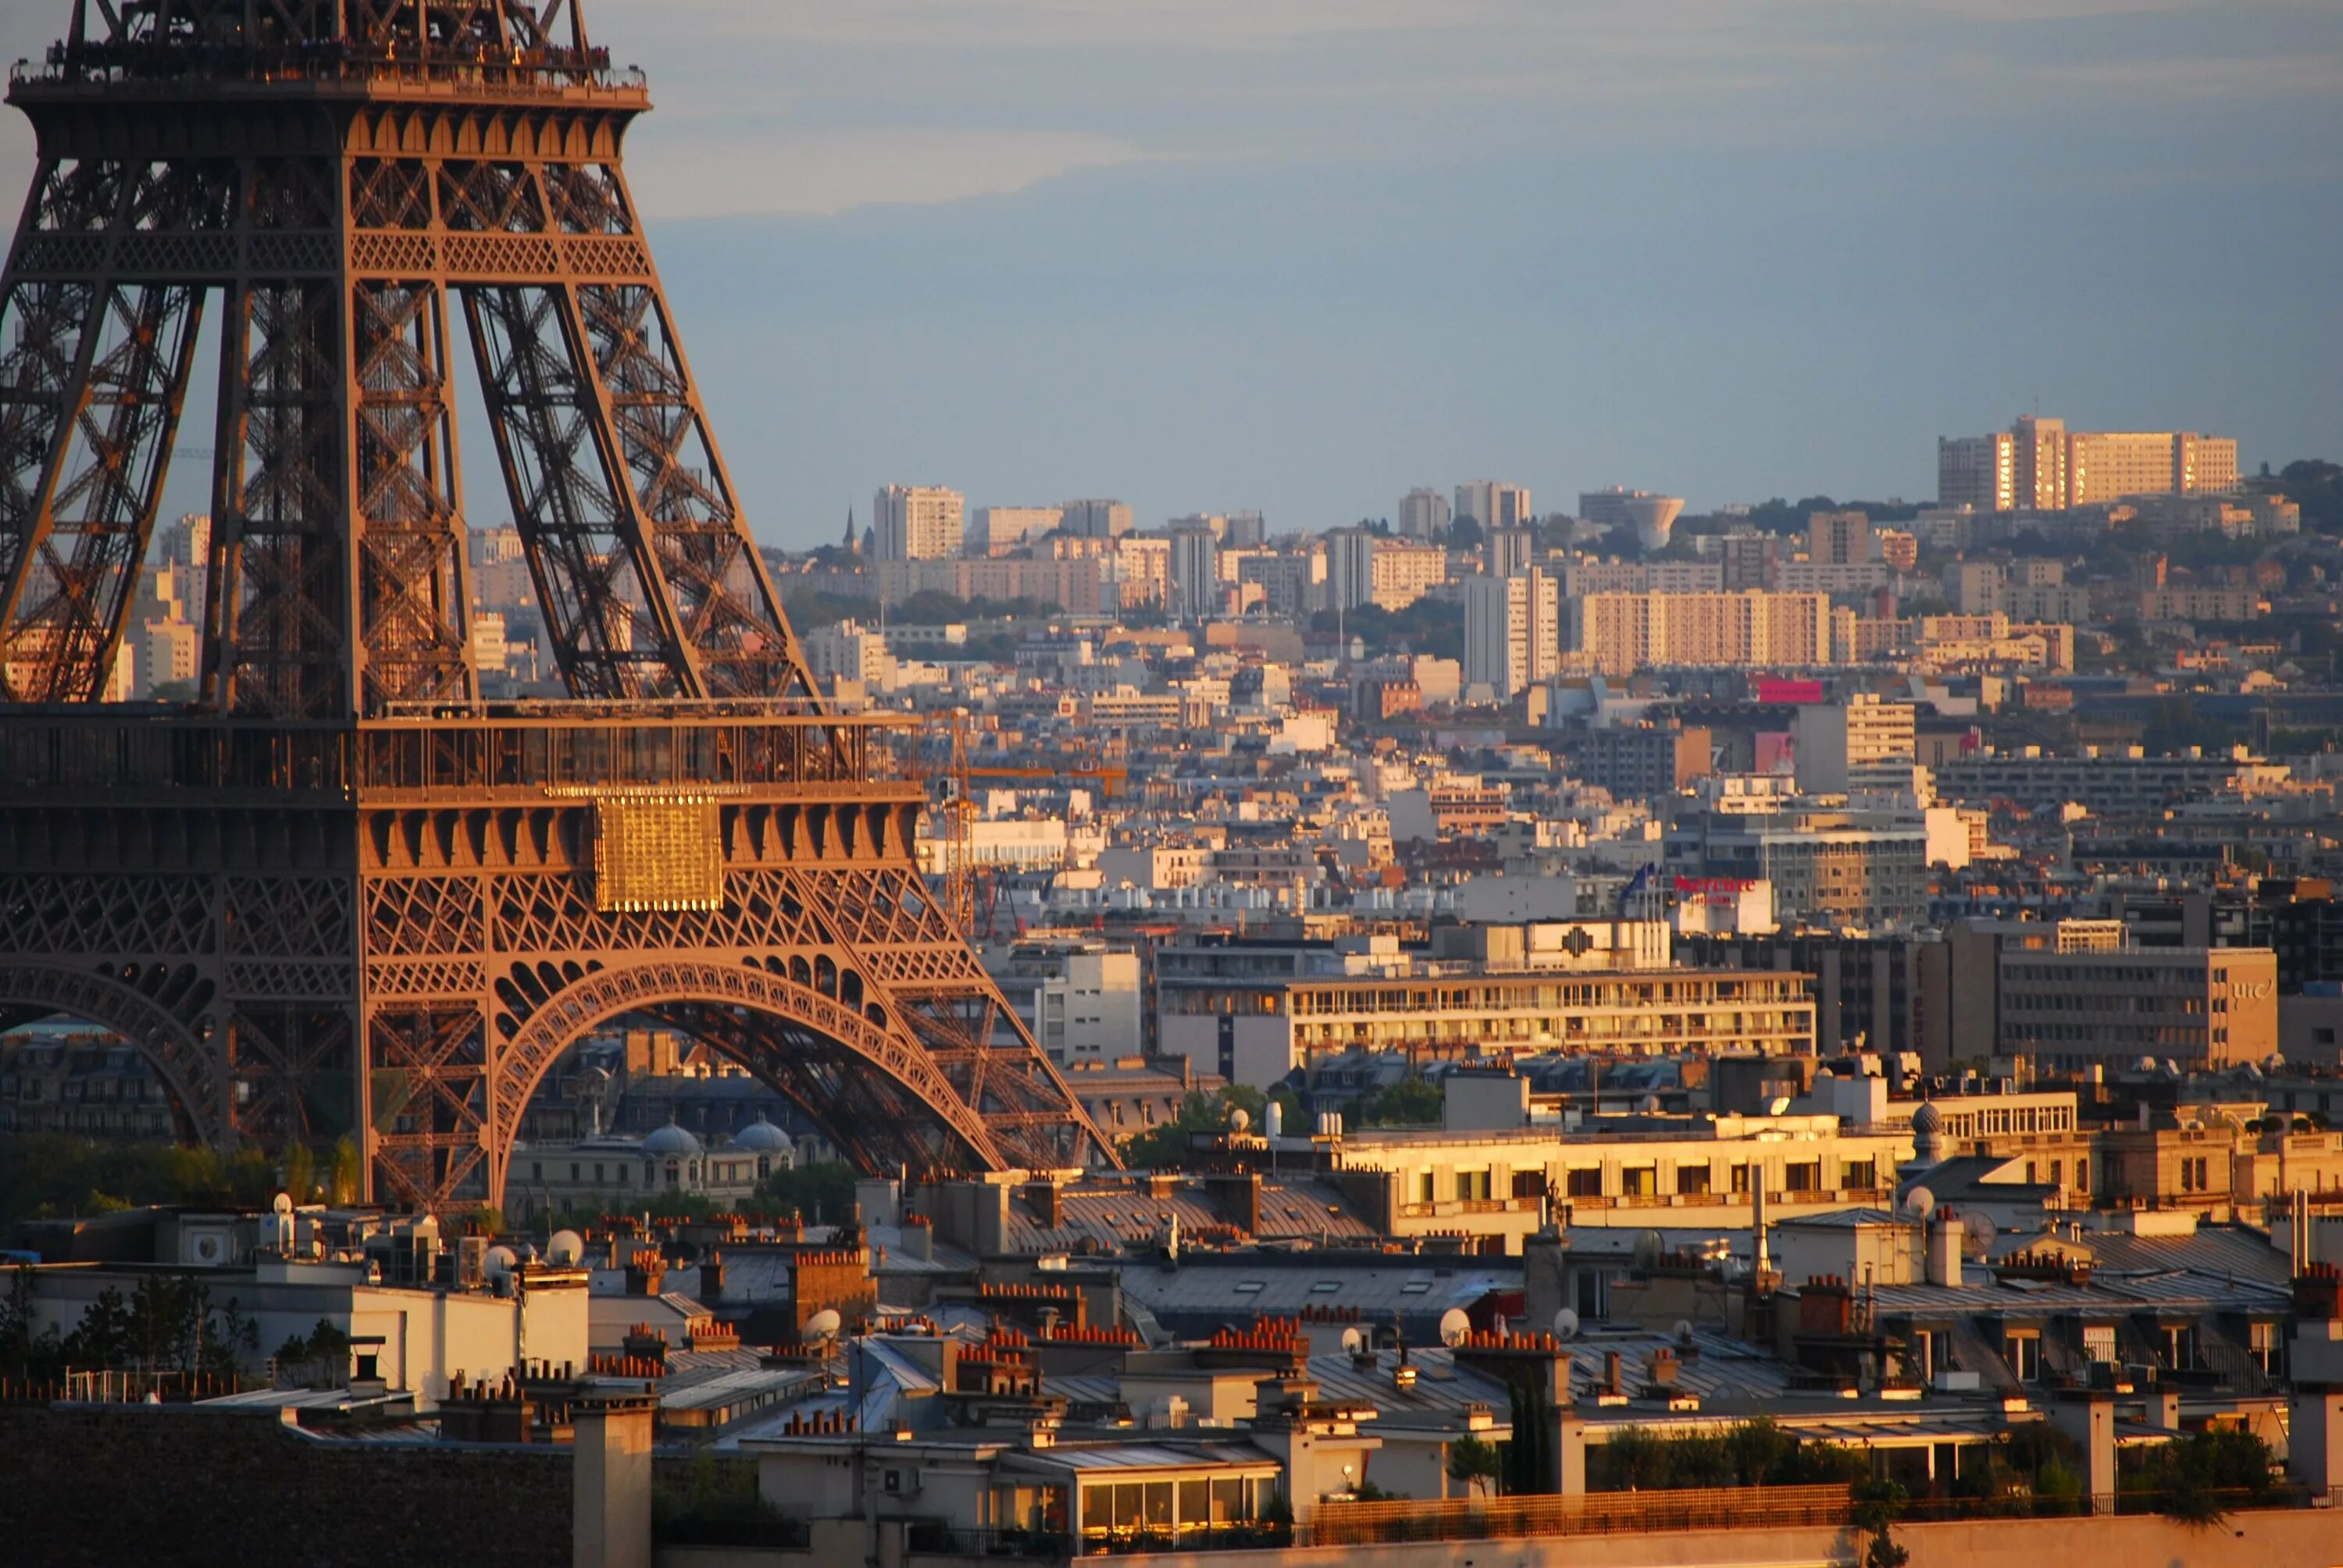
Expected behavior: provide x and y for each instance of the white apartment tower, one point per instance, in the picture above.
(917, 523)
(1513, 630)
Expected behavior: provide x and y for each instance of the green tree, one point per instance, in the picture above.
(1411, 1102)
(1166, 1145)
(822, 1191)
(1477, 1466)
(1877, 1505)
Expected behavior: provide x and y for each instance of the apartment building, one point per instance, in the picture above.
(1493, 505)
(2038, 465)
(1512, 630)
(1840, 538)
(1863, 741)
(1399, 573)
(1639, 760)
(917, 523)
(1622, 633)
(1422, 515)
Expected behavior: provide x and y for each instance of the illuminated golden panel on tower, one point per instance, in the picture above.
(658, 852)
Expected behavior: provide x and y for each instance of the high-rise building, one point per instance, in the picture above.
(1512, 629)
(1748, 560)
(1195, 569)
(1350, 568)
(1504, 551)
(2039, 465)
(1493, 505)
(917, 523)
(1839, 538)
(1422, 515)
(1097, 519)
(1245, 530)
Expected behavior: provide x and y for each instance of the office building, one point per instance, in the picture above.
(917, 523)
(2112, 1006)
(1512, 630)
(1622, 633)
(1832, 869)
(1422, 515)
(1255, 1030)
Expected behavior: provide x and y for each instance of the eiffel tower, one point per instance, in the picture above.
(340, 892)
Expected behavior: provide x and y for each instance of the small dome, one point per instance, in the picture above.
(671, 1143)
(1928, 1118)
(761, 1137)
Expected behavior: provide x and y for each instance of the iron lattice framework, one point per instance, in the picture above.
(339, 892)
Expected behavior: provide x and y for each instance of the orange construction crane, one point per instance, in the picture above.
(1116, 780)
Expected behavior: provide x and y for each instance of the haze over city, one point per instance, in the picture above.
(1302, 257)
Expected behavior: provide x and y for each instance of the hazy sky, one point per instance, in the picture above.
(1301, 255)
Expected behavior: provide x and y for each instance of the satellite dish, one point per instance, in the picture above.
(499, 1262)
(1779, 1106)
(1919, 1202)
(1454, 1326)
(1649, 1248)
(283, 1204)
(1649, 1103)
(564, 1248)
(1353, 1340)
(1565, 1324)
(823, 1324)
(1978, 1239)
(1684, 1330)
(1239, 1119)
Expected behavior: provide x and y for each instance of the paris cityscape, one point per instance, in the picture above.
(566, 1001)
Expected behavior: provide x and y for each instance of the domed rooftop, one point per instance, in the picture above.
(672, 1141)
(761, 1137)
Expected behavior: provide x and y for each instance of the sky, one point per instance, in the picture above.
(1305, 254)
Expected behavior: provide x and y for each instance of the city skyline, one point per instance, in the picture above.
(1713, 261)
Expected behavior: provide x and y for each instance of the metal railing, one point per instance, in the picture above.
(1595, 1513)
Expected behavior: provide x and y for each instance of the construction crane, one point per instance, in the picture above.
(960, 874)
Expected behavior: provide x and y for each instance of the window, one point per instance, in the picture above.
(2023, 1350)
(1583, 1181)
(1471, 1186)
(1859, 1175)
(1802, 1176)
(1639, 1180)
(1424, 1192)
(2262, 1341)
(2100, 1341)
(1692, 1179)
(1740, 1177)
(2180, 1346)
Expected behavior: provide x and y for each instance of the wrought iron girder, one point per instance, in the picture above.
(77, 557)
(414, 611)
(597, 581)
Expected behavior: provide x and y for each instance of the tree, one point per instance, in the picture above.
(822, 1190)
(1476, 1465)
(1411, 1102)
(1877, 1505)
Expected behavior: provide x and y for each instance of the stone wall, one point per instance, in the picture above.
(107, 1485)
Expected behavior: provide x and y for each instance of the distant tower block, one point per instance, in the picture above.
(339, 895)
